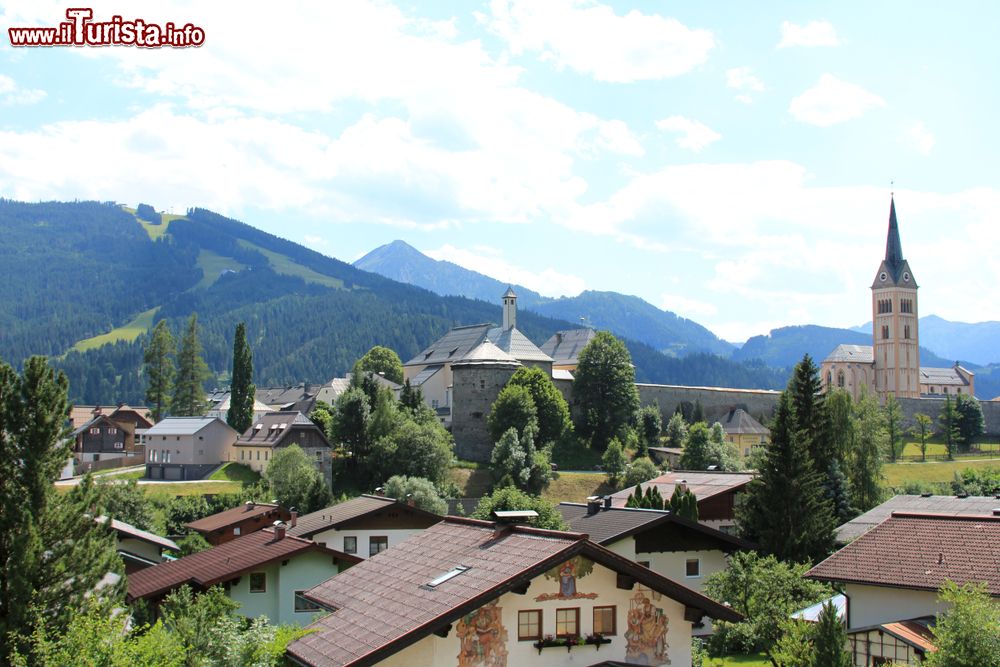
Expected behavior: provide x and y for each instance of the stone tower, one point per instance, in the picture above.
(509, 309)
(896, 344)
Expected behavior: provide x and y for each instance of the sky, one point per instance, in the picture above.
(729, 161)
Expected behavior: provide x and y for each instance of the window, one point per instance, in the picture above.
(692, 567)
(242, 455)
(377, 545)
(529, 625)
(885, 332)
(237, 530)
(303, 604)
(906, 331)
(265, 454)
(258, 582)
(829, 378)
(568, 622)
(604, 620)
(95, 431)
(258, 455)
(350, 544)
(112, 430)
(119, 445)
(840, 379)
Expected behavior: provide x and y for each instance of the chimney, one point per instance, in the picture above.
(293, 518)
(593, 505)
(410, 501)
(97, 410)
(379, 491)
(996, 511)
(279, 530)
(607, 502)
(249, 505)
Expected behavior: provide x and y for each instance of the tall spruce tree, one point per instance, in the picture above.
(242, 389)
(158, 367)
(683, 503)
(785, 510)
(830, 640)
(808, 404)
(192, 371)
(52, 553)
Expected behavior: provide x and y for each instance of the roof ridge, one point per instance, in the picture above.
(911, 514)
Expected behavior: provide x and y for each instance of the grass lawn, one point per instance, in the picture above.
(235, 472)
(212, 265)
(126, 332)
(110, 476)
(756, 660)
(897, 474)
(192, 488)
(474, 483)
(571, 454)
(574, 487)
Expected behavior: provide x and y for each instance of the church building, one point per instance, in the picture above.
(891, 365)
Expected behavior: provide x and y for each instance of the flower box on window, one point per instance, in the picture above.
(550, 641)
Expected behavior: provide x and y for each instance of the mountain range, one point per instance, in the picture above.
(85, 281)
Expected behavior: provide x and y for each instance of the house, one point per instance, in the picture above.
(364, 526)
(716, 493)
(298, 397)
(671, 546)
(138, 548)
(922, 504)
(744, 431)
(266, 572)
(667, 456)
(332, 390)
(430, 370)
(565, 346)
(179, 448)
(248, 518)
(474, 593)
(101, 433)
(220, 407)
(274, 430)
(891, 574)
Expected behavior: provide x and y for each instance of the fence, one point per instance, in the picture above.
(985, 450)
(110, 464)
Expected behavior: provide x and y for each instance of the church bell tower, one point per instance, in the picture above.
(895, 341)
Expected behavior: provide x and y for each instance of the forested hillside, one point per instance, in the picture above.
(75, 271)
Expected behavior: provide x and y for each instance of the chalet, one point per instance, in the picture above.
(138, 548)
(473, 593)
(891, 574)
(102, 433)
(716, 493)
(266, 572)
(248, 518)
(678, 549)
(274, 430)
(180, 448)
(364, 526)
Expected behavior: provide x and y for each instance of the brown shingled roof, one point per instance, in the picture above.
(703, 484)
(234, 516)
(336, 515)
(920, 551)
(384, 603)
(222, 563)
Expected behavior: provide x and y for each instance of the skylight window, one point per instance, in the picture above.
(450, 574)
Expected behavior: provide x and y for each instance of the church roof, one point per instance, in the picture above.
(516, 344)
(460, 341)
(893, 246)
(509, 293)
(860, 354)
(942, 376)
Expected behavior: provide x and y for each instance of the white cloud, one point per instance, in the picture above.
(743, 78)
(489, 261)
(11, 94)
(686, 306)
(695, 136)
(814, 33)
(590, 38)
(833, 101)
(744, 99)
(919, 137)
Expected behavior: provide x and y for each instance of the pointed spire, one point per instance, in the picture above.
(893, 247)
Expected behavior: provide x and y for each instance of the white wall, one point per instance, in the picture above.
(278, 602)
(334, 539)
(872, 605)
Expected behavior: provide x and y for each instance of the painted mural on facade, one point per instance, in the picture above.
(646, 636)
(482, 638)
(567, 575)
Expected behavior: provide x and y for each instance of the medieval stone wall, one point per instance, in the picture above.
(474, 389)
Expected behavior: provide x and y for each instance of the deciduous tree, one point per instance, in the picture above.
(551, 409)
(676, 431)
(650, 423)
(293, 479)
(971, 424)
(864, 470)
(893, 426)
(614, 461)
(968, 633)
(512, 499)
(384, 361)
(948, 421)
(420, 491)
(922, 430)
(604, 388)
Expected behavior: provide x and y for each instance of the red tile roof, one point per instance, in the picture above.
(913, 633)
(336, 515)
(920, 551)
(222, 563)
(128, 530)
(703, 484)
(384, 604)
(233, 517)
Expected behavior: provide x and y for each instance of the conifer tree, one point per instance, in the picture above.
(894, 426)
(830, 640)
(411, 397)
(808, 405)
(677, 430)
(684, 503)
(192, 371)
(242, 389)
(635, 498)
(785, 510)
(43, 536)
(158, 367)
(948, 420)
